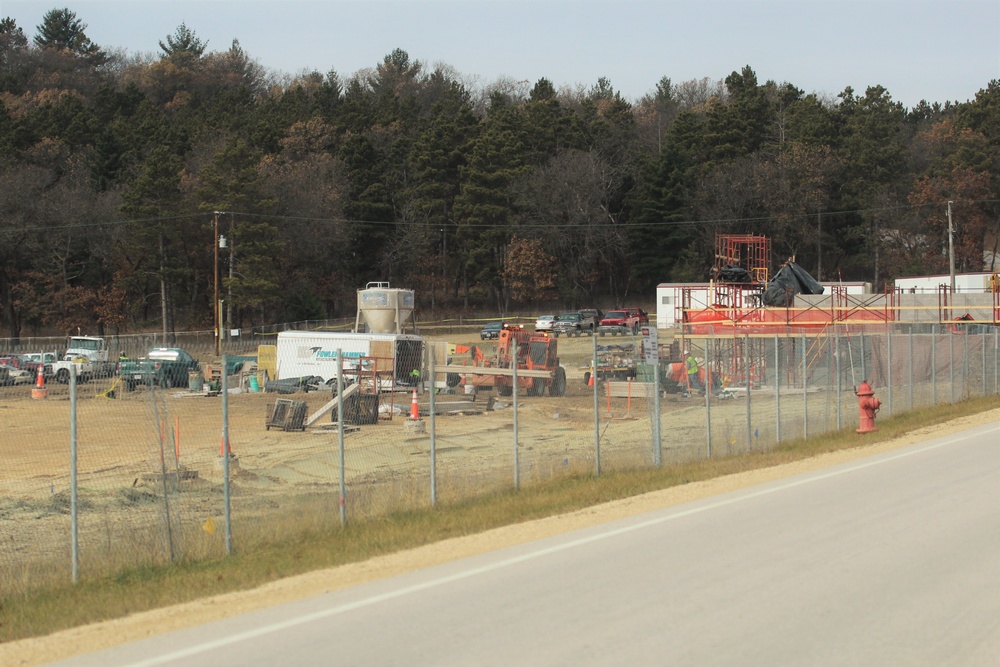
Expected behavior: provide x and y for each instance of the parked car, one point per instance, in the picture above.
(10, 376)
(591, 315)
(491, 330)
(19, 361)
(545, 322)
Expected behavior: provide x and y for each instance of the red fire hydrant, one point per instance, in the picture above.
(868, 405)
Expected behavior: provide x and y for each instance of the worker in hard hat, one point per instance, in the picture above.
(692, 371)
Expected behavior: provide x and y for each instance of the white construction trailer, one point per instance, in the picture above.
(314, 353)
(964, 282)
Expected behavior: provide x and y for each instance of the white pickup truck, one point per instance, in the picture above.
(54, 368)
(62, 369)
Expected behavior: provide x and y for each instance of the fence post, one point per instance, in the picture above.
(836, 369)
(225, 456)
(708, 402)
(933, 364)
(864, 364)
(163, 470)
(951, 364)
(805, 393)
(657, 442)
(777, 392)
(965, 366)
(433, 471)
(73, 488)
(597, 414)
(982, 341)
(342, 501)
(888, 365)
(911, 367)
(513, 394)
(746, 362)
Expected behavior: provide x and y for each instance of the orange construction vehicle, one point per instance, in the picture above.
(537, 364)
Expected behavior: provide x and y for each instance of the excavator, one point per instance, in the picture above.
(537, 364)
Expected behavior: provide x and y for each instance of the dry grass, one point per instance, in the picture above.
(308, 536)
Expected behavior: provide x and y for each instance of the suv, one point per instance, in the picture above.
(573, 324)
(491, 330)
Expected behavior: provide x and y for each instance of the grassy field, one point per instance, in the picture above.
(45, 611)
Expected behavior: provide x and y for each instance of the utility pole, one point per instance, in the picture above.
(819, 246)
(951, 249)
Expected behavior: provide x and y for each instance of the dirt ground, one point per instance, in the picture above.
(91, 638)
(124, 444)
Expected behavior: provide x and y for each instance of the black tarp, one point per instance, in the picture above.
(790, 280)
(734, 274)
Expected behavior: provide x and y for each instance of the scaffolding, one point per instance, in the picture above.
(726, 322)
(747, 251)
(739, 358)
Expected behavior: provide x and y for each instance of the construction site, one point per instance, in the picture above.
(751, 322)
(325, 427)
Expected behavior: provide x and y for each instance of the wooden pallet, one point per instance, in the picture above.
(334, 426)
(286, 414)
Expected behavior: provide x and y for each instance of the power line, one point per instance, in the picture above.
(451, 225)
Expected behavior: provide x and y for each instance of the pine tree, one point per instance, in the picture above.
(61, 30)
(184, 47)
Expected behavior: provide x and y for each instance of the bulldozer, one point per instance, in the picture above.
(537, 358)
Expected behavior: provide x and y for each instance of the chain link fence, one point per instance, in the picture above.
(99, 478)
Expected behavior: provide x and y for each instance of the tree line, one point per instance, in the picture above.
(115, 169)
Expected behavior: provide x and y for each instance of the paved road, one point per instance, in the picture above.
(890, 560)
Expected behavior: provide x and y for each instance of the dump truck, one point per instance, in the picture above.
(95, 349)
(537, 362)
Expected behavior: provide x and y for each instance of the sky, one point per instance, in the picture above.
(933, 50)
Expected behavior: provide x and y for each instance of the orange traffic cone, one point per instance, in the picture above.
(414, 408)
(590, 380)
(39, 390)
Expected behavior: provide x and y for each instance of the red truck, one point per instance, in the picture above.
(617, 322)
(640, 314)
(623, 321)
